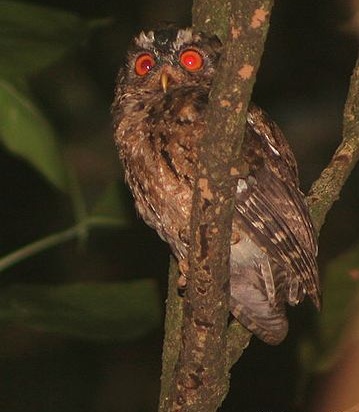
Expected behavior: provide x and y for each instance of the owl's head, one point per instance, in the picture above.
(167, 58)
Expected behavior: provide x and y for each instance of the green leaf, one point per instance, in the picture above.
(32, 37)
(99, 312)
(26, 133)
(114, 203)
(340, 291)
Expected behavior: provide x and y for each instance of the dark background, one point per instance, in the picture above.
(302, 83)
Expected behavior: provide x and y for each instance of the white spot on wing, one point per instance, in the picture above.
(269, 141)
(274, 150)
(258, 225)
(250, 119)
(241, 186)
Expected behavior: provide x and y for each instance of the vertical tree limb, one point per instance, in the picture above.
(195, 376)
(172, 339)
(201, 376)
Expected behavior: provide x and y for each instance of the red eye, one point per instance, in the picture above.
(191, 60)
(144, 64)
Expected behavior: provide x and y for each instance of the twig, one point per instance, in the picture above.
(55, 239)
(325, 191)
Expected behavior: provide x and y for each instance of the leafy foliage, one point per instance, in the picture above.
(340, 289)
(33, 37)
(99, 312)
(341, 293)
(24, 131)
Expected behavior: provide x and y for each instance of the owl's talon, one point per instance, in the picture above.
(182, 282)
(183, 270)
(236, 237)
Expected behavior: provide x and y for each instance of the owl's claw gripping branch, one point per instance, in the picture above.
(183, 268)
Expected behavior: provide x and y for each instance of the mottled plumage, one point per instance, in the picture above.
(159, 122)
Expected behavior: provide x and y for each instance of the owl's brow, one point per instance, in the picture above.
(150, 39)
(145, 40)
(183, 36)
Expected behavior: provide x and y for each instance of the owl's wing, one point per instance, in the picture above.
(272, 210)
(276, 219)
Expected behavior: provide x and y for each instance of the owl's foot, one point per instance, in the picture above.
(235, 238)
(183, 271)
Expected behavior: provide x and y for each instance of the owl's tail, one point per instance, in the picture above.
(257, 299)
(267, 324)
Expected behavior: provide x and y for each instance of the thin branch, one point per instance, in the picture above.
(55, 239)
(325, 191)
(201, 375)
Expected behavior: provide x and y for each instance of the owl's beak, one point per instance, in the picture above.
(164, 81)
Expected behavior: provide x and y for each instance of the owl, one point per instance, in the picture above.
(159, 121)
